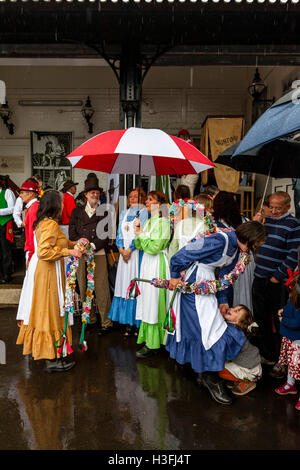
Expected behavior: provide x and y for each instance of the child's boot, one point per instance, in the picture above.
(286, 389)
(243, 387)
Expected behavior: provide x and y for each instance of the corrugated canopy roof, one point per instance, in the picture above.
(221, 2)
(186, 32)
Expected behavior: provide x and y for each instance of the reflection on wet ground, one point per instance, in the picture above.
(111, 401)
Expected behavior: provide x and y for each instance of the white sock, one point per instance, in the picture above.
(290, 380)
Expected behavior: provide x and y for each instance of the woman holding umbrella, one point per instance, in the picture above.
(152, 304)
(123, 310)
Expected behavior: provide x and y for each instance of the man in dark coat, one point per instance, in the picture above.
(83, 224)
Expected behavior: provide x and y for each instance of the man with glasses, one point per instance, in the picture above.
(274, 259)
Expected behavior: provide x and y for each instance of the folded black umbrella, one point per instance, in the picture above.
(112, 267)
(279, 159)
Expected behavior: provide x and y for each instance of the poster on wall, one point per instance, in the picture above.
(48, 151)
(218, 134)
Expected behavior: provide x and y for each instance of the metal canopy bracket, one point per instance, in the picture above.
(130, 80)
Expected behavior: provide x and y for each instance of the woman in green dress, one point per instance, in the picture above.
(152, 304)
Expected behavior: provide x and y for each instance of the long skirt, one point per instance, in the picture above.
(123, 310)
(153, 302)
(202, 336)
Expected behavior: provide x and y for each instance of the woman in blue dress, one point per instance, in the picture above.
(123, 310)
(203, 338)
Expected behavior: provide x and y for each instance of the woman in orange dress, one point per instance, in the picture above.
(46, 321)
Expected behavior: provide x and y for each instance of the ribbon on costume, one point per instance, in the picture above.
(62, 343)
(292, 275)
(72, 267)
(170, 320)
(133, 290)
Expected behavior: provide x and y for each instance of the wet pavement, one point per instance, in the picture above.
(112, 401)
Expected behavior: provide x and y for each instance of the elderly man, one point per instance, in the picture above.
(83, 224)
(274, 259)
(7, 202)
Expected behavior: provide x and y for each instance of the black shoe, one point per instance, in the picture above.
(5, 280)
(135, 330)
(105, 330)
(58, 365)
(216, 388)
(145, 352)
(199, 379)
(129, 331)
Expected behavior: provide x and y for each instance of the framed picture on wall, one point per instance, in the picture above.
(48, 151)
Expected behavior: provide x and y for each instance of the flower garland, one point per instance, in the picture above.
(194, 206)
(216, 285)
(197, 288)
(62, 344)
(204, 214)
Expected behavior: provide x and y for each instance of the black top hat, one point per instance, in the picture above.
(92, 185)
(67, 185)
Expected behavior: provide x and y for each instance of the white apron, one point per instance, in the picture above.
(147, 301)
(211, 321)
(183, 241)
(126, 271)
(25, 302)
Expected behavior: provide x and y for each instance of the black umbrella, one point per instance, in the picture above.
(279, 121)
(279, 159)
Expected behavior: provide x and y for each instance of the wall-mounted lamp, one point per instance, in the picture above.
(5, 114)
(257, 87)
(88, 112)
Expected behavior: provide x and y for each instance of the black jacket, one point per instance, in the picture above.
(83, 226)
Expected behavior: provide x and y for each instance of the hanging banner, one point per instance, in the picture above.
(161, 183)
(218, 135)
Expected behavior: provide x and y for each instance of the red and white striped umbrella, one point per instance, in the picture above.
(139, 151)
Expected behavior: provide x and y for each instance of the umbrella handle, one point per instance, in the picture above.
(139, 190)
(113, 256)
(266, 185)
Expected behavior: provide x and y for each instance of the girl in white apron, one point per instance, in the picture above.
(152, 303)
(123, 310)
